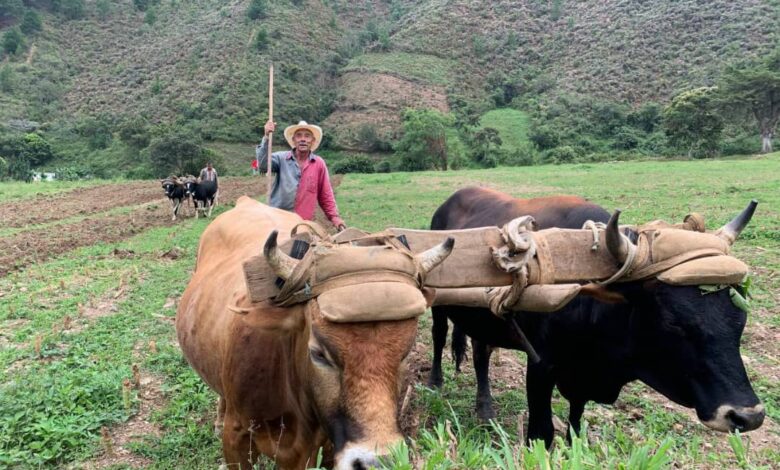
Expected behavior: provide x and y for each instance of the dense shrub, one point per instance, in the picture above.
(103, 8)
(544, 136)
(135, 132)
(647, 117)
(258, 9)
(743, 144)
(11, 8)
(31, 22)
(261, 39)
(143, 5)
(23, 153)
(485, 145)
(369, 140)
(562, 154)
(383, 167)
(627, 138)
(71, 9)
(96, 131)
(522, 156)
(354, 164)
(13, 41)
(7, 79)
(424, 142)
(150, 17)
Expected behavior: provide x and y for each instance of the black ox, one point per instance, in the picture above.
(176, 192)
(681, 343)
(204, 195)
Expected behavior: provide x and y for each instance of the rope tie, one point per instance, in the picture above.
(513, 257)
(594, 227)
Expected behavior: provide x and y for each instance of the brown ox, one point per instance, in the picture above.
(290, 381)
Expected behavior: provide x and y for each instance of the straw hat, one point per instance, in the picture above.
(316, 131)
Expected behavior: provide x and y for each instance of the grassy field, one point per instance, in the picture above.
(512, 126)
(91, 375)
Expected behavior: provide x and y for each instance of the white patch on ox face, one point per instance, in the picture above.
(723, 423)
(356, 458)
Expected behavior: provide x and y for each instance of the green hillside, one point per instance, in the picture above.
(102, 80)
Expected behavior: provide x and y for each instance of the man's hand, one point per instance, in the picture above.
(341, 227)
(269, 127)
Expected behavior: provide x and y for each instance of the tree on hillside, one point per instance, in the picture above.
(754, 88)
(177, 152)
(13, 41)
(486, 146)
(424, 143)
(692, 122)
(31, 23)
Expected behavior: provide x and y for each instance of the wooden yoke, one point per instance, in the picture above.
(562, 256)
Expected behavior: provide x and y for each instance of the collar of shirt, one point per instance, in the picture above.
(291, 155)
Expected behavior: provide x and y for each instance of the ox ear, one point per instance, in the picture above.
(602, 294)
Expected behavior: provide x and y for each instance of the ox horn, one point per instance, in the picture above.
(432, 257)
(281, 263)
(616, 243)
(731, 230)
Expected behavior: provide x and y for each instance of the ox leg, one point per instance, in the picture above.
(481, 353)
(458, 346)
(211, 206)
(237, 446)
(219, 423)
(539, 387)
(197, 210)
(576, 409)
(439, 333)
(176, 209)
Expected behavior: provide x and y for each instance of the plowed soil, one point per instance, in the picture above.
(148, 208)
(82, 201)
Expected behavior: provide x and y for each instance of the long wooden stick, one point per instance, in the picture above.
(269, 178)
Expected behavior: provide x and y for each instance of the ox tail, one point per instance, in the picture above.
(458, 345)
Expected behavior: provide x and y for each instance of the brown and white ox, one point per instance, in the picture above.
(290, 381)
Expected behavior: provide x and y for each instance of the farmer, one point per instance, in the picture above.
(301, 176)
(208, 173)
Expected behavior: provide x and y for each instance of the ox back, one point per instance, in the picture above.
(591, 349)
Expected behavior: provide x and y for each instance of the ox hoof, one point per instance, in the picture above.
(485, 412)
(435, 382)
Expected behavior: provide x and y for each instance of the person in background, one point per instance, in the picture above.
(301, 180)
(209, 174)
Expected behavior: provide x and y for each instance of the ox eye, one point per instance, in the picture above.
(318, 357)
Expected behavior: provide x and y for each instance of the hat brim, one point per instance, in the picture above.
(316, 131)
